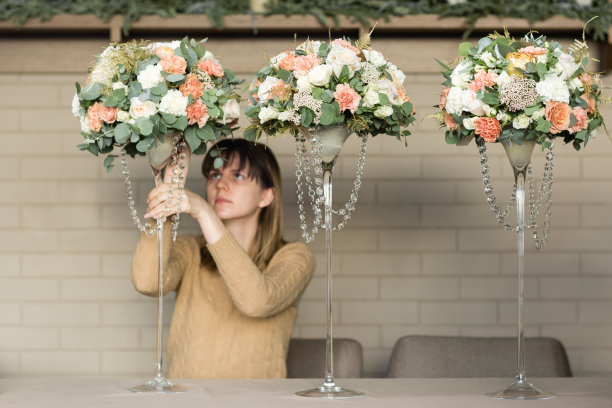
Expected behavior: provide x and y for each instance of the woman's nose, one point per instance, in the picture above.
(222, 183)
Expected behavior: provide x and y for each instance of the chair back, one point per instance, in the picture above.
(306, 358)
(460, 357)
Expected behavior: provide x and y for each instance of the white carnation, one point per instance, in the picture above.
(174, 103)
(584, 3)
(76, 107)
(502, 116)
(388, 88)
(84, 122)
(542, 59)
(398, 76)
(375, 57)
(265, 87)
(538, 114)
(303, 83)
(566, 66)
(521, 121)
(123, 116)
(453, 2)
(454, 101)
(553, 88)
(471, 103)
(383, 111)
(488, 59)
(489, 110)
(468, 123)
(503, 79)
(150, 76)
(575, 84)
(320, 75)
(285, 116)
(268, 113)
(461, 75)
(370, 99)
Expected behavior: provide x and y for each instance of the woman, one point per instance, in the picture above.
(238, 285)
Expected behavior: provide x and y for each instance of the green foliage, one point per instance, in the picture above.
(327, 12)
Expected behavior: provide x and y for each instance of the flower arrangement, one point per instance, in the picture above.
(333, 83)
(137, 92)
(508, 90)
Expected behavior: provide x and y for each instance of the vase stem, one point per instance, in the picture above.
(329, 346)
(160, 296)
(519, 176)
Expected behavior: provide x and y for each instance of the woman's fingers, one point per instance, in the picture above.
(164, 200)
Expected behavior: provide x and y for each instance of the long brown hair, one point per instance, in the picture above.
(264, 169)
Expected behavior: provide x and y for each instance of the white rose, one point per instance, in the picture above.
(76, 107)
(275, 60)
(120, 85)
(268, 113)
(538, 114)
(284, 116)
(566, 66)
(339, 57)
(174, 103)
(471, 103)
(383, 111)
(461, 75)
(231, 111)
(310, 47)
(375, 57)
(303, 82)
(84, 122)
(468, 123)
(123, 116)
(521, 121)
(370, 99)
(264, 88)
(142, 109)
(553, 88)
(453, 2)
(488, 59)
(489, 110)
(575, 84)
(584, 3)
(502, 116)
(207, 56)
(503, 79)
(388, 88)
(454, 104)
(320, 75)
(398, 76)
(542, 58)
(150, 76)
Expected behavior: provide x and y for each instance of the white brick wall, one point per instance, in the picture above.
(422, 255)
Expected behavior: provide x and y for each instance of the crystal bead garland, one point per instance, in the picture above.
(544, 197)
(178, 178)
(305, 167)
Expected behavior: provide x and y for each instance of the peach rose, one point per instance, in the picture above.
(450, 122)
(533, 51)
(518, 60)
(347, 98)
(173, 64)
(164, 52)
(582, 120)
(443, 96)
(197, 113)
(108, 115)
(287, 62)
(482, 78)
(192, 86)
(93, 116)
(302, 65)
(590, 100)
(488, 128)
(211, 68)
(558, 113)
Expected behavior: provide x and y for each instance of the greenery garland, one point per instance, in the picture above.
(363, 11)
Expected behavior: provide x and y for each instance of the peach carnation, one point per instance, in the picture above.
(582, 120)
(482, 78)
(450, 122)
(287, 62)
(488, 128)
(173, 64)
(346, 44)
(108, 115)
(302, 65)
(443, 96)
(586, 79)
(533, 51)
(347, 98)
(164, 52)
(590, 100)
(197, 112)
(211, 68)
(93, 116)
(281, 90)
(558, 113)
(192, 86)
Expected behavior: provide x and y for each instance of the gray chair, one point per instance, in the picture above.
(306, 358)
(457, 357)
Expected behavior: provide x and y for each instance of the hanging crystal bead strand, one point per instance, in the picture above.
(488, 189)
(302, 163)
(142, 227)
(544, 197)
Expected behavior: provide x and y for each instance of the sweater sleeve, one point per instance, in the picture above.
(258, 294)
(178, 257)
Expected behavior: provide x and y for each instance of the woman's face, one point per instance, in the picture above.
(235, 196)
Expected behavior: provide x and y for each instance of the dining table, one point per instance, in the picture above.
(94, 392)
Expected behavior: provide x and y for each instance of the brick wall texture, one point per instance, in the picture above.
(422, 254)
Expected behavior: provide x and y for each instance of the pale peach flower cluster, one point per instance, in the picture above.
(345, 44)
(302, 65)
(534, 51)
(582, 120)
(347, 98)
(482, 78)
(211, 68)
(98, 114)
(173, 64)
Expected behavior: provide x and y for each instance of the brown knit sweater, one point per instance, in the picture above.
(231, 322)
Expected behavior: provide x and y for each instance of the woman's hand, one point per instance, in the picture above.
(163, 201)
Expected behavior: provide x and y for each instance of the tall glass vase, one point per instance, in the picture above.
(520, 389)
(159, 160)
(332, 139)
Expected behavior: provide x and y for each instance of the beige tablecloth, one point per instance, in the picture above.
(44, 392)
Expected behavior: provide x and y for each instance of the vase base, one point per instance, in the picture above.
(333, 392)
(521, 390)
(159, 385)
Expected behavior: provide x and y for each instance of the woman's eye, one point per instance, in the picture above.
(215, 176)
(238, 176)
